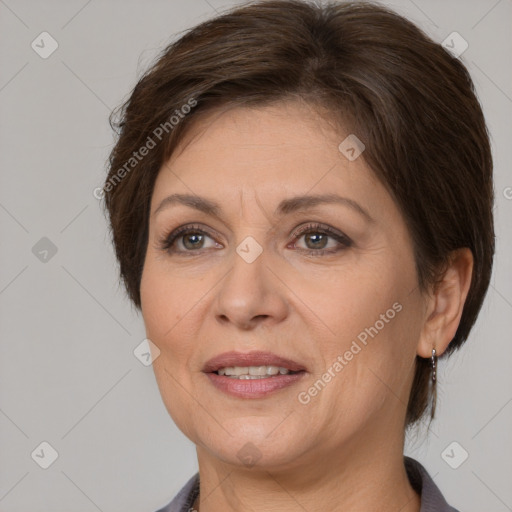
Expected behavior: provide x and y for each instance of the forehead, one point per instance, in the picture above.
(288, 145)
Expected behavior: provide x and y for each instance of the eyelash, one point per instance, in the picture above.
(166, 243)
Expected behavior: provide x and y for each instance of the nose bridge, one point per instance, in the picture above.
(251, 254)
(249, 292)
(244, 286)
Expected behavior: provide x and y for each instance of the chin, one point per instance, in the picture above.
(255, 442)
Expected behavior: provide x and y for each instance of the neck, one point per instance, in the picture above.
(358, 476)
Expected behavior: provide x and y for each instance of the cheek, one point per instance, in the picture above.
(165, 299)
(164, 304)
(358, 305)
(374, 330)
(173, 311)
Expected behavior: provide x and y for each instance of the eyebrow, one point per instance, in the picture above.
(285, 207)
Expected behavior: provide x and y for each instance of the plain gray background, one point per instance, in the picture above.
(68, 373)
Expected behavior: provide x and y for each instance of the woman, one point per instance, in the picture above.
(300, 200)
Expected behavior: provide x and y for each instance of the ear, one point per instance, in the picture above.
(445, 304)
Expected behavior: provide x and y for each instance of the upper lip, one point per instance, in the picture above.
(255, 358)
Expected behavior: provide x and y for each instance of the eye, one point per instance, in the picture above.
(186, 239)
(193, 239)
(316, 238)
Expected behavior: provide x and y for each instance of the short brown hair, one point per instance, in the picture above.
(410, 101)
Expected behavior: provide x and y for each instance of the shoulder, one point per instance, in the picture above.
(432, 499)
(182, 502)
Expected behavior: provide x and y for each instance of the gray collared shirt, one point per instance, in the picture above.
(431, 498)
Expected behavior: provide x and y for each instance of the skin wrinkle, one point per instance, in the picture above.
(351, 433)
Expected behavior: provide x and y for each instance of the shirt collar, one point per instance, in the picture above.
(431, 498)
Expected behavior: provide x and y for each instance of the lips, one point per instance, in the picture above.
(255, 358)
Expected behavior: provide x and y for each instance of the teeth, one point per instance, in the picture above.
(252, 372)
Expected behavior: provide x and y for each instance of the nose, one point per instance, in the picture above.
(251, 294)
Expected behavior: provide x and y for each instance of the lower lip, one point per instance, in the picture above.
(254, 388)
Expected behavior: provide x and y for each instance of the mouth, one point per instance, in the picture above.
(241, 361)
(253, 374)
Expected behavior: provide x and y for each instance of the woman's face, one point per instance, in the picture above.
(330, 285)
